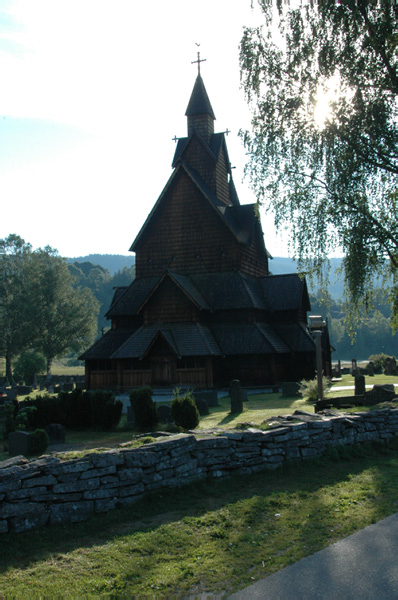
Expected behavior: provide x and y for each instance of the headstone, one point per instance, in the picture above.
(56, 433)
(19, 442)
(68, 387)
(235, 393)
(371, 369)
(12, 394)
(380, 393)
(202, 406)
(23, 390)
(359, 385)
(34, 385)
(290, 388)
(209, 395)
(338, 369)
(50, 389)
(354, 367)
(390, 366)
(164, 412)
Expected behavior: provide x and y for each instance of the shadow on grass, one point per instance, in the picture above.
(268, 492)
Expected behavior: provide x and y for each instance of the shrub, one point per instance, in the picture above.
(184, 410)
(27, 364)
(75, 410)
(105, 411)
(379, 362)
(309, 388)
(39, 441)
(145, 413)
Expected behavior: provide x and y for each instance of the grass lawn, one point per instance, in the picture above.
(215, 537)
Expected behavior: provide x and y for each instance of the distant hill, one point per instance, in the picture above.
(280, 265)
(112, 262)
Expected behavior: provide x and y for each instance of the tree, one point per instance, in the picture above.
(66, 316)
(334, 183)
(40, 307)
(16, 314)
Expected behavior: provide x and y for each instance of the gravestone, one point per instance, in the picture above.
(354, 367)
(56, 433)
(359, 385)
(164, 412)
(202, 406)
(290, 388)
(34, 385)
(23, 390)
(12, 394)
(19, 442)
(235, 393)
(209, 395)
(338, 369)
(380, 393)
(371, 369)
(390, 366)
(68, 387)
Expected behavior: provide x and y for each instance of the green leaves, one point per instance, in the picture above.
(335, 184)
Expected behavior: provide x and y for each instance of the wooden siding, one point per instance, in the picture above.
(136, 378)
(186, 236)
(222, 187)
(169, 305)
(203, 124)
(200, 160)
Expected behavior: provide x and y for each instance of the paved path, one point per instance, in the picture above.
(363, 566)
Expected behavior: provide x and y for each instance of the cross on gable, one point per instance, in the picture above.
(198, 61)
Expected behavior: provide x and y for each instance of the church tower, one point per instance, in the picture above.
(203, 308)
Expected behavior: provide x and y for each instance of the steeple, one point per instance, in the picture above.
(199, 111)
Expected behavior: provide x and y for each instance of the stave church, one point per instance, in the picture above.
(204, 308)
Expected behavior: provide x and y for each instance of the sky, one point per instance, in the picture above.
(92, 94)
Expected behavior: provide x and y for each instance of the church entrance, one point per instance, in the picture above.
(162, 370)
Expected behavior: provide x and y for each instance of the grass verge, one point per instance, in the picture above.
(214, 537)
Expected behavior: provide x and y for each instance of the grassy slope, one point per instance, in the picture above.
(213, 537)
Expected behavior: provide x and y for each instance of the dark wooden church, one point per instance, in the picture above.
(203, 308)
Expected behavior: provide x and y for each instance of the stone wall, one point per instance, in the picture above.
(49, 490)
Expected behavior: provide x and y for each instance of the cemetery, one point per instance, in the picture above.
(60, 487)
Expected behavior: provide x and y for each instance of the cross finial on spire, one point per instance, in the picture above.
(198, 61)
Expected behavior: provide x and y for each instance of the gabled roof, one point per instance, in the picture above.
(296, 336)
(285, 292)
(199, 103)
(185, 339)
(107, 344)
(240, 222)
(233, 195)
(130, 299)
(213, 149)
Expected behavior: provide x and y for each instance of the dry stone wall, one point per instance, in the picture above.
(48, 490)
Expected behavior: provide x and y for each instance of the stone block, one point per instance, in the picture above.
(71, 512)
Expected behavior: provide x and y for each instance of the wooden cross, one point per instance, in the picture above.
(198, 61)
(227, 131)
(175, 139)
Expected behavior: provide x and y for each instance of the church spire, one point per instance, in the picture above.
(199, 111)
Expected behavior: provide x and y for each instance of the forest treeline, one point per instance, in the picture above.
(373, 335)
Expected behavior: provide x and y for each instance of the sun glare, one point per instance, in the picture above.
(326, 94)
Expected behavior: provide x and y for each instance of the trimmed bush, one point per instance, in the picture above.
(146, 415)
(39, 441)
(75, 410)
(184, 410)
